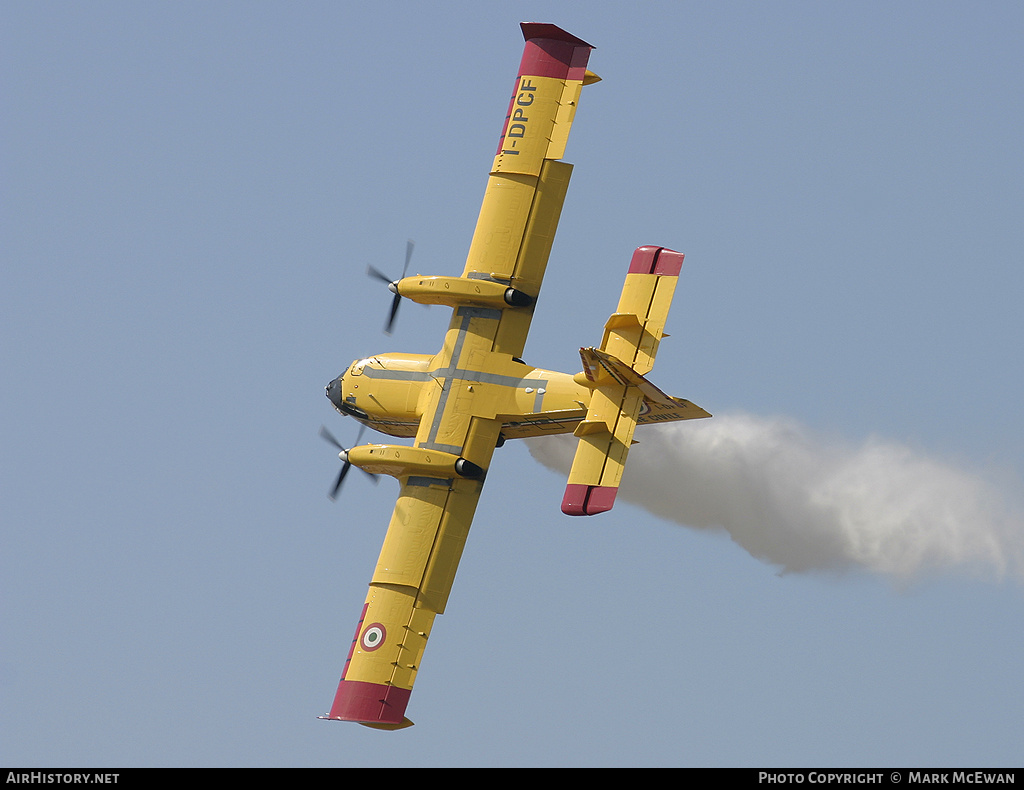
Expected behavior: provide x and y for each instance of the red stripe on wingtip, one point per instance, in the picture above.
(360, 701)
(656, 260)
(552, 52)
(549, 52)
(584, 500)
(545, 57)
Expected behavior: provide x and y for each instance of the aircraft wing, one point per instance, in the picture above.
(470, 382)
(428, 528)
(410, 585)
(527, 183)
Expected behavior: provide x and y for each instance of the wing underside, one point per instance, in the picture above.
(410, 586)
(527, 184)
(469, 382)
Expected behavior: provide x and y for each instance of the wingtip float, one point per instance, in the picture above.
(461, 403)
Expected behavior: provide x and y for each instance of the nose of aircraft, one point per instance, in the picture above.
(336, 395)
(333, 391)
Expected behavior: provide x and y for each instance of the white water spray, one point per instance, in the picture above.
(803, 503)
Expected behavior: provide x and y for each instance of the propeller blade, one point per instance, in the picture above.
(329, 437)
(373, 272)
(337, 483)
(377, 274)
(394, 312)
(408, 256)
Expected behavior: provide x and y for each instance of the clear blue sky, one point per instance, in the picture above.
(190, 194)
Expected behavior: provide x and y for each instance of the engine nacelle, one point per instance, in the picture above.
(401, 461)
(458, 291)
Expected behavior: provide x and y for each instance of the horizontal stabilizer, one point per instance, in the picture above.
(621, 396)
(633, 332)
(604, 439)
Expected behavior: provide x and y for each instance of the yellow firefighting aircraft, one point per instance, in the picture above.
(476, 392)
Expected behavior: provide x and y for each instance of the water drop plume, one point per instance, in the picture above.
(804, 503)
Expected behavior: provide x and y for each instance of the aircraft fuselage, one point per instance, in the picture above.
(387, 392)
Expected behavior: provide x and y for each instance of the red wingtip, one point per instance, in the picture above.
(551, 52)
(372, 704)
(533, 30)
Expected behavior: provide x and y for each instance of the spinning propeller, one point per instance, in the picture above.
(392, 285)
(343, 455)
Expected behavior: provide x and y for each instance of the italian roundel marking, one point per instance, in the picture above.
(373, 637)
